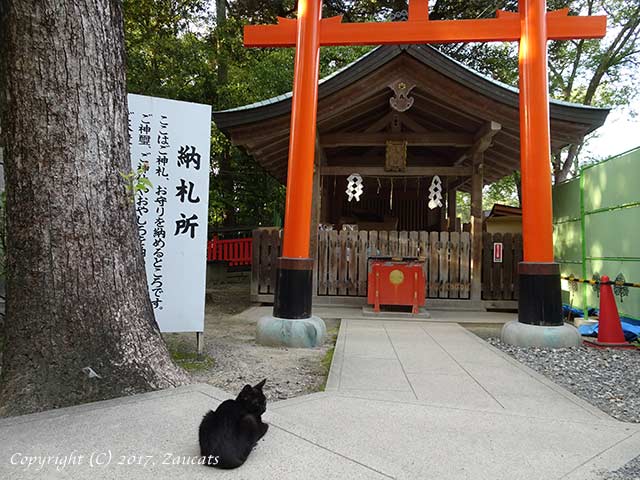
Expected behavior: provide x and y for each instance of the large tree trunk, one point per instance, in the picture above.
(224, 159)
(76, 287)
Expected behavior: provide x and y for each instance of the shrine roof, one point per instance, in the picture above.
(448, 98)
(428, 55)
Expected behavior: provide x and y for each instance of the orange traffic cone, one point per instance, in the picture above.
(609, 327)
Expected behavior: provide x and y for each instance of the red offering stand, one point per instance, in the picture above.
(394, 281)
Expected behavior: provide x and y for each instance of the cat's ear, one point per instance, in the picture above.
(261, 384)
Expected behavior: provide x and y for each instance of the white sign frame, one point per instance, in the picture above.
(498, 252)
(173, 139)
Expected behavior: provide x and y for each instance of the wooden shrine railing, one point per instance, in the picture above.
(341, 266)
(500, 279)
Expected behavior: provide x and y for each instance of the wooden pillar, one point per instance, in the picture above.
(451, 205)
(477, 181)
(336, 198)
(322, 183)
(316, 205)
(325, 199)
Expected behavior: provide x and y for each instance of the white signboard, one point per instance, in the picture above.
(497, 252)
(172, 139)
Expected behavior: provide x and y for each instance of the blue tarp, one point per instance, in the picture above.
(630, 330)
(566, 309)
(630, 327)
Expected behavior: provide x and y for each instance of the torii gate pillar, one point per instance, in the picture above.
(292, 323)
(540, 320)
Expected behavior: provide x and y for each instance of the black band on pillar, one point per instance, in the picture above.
(540, 297)
(294, 285)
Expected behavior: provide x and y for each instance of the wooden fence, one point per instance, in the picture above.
(342, 260)
(500, 279)
(234, 251)
(267, 245)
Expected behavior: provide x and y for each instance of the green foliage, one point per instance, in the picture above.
(166, 56)
(504, 191)
(175, 49)
(179, 49)
(266, 11)
(190, 360)
(591, 72)
(326, 366)
(255, 199)
(463, 206)
(137, 181)
(327, 359)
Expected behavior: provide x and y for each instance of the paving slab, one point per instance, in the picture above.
(449, 390)
(477, 413)
(411, 440)
(444, 364)
(373, 373)
(405, 400)
(369, 343)
(154, 436)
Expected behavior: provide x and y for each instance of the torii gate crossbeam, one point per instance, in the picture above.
(532, 26)
(506, 27)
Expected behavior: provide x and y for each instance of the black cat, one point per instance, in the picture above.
(228, 435)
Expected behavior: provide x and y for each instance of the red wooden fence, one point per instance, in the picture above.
(235, 251)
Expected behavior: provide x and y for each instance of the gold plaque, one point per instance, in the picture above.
(396, 277)
(396, 157)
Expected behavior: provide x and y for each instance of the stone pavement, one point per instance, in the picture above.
(410, 400)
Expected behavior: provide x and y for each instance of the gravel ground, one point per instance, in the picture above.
(235, 359)
(605, 378)
(631, 471)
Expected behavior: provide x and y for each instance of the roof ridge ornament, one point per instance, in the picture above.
(401, 102)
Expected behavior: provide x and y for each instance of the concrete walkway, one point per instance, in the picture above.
(410, 400)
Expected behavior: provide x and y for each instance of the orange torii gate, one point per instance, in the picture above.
(532, 26)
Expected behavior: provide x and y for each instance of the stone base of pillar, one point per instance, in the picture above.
(524, 335)
(295, 333)
(292, 324)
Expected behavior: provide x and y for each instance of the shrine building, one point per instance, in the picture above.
(398, 117)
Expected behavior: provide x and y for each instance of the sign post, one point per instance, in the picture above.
(532, 26)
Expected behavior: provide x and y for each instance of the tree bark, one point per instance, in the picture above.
(76, 288)
(224, 159)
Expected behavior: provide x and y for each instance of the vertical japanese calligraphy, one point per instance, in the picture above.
(159, 233)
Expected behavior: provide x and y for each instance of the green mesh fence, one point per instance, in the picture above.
(597, 229)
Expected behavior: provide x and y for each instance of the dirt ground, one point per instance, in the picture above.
(233, 359)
